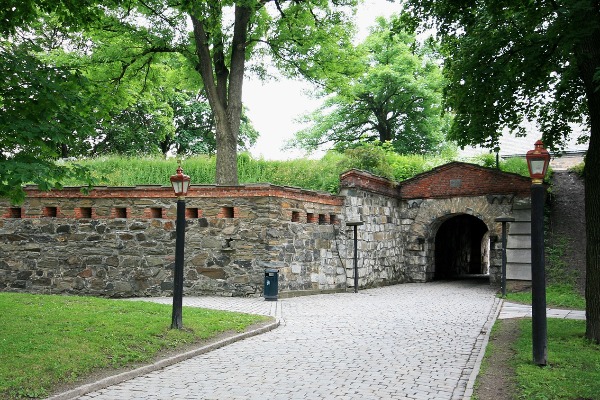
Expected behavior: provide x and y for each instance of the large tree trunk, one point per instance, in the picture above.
(589, 64)
(227, 172)
(224, 88)
(592, 215)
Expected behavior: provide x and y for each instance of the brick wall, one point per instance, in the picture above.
(463, 180)
(159, 202)
(363, 180)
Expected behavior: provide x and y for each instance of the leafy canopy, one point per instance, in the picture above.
(508, 62)
(395, 96)
(43, 108)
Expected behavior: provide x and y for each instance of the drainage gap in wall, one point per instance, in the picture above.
(85, 212)
(15, 212)
(192, 213)
(322, 220)
(156, 212)
(120, 212)
(50, 212)
(226, 212)
(332, 219)
(295, 216)
(310, 218)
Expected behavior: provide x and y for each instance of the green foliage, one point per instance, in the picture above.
(579, 169)
(15, 14)
(44, 109)
(486, 160)
(310, 174)
(164, 121)
(137, 130)
(311, 38)
(54, 340)
(383, 160)
(142, 55)
(557, 271)
(396, 97)
(370, 158)
(573, 371)
(508, 62)
(131, 171)
(515, 165)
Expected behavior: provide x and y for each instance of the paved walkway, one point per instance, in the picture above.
(513, 310)
(411, 341)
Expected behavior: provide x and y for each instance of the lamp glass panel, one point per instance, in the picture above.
(177, 186)
(185, 186)
(537, 166)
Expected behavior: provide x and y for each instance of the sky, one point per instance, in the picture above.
(274, 106)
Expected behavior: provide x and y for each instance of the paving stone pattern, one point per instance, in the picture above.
(513, 310)
(411, 341)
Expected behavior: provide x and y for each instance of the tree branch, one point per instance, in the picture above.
(204, 66)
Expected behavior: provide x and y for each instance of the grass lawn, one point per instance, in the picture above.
(557, 296)
(573, 370)
(50, 340)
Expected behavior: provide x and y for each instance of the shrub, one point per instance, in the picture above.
(579, 169)
(322, 174)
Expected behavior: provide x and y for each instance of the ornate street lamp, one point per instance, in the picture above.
(180, 183)
(537, 161)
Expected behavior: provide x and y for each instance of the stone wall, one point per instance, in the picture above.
(401, 221)
(431, 198)
(380, 250)
(421, 221)
(120, 242)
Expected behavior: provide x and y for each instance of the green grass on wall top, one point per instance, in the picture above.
(313, 174)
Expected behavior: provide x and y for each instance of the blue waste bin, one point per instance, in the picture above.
(271, 284)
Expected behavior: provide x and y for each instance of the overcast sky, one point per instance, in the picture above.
(274, 106)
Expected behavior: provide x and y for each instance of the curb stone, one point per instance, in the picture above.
(486, 331)
(160, 364)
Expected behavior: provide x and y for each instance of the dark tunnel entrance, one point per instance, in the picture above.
(461, 248)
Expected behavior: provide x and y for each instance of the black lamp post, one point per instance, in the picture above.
(504, 220)
(180, 183)
(355, 224)
(537, 161)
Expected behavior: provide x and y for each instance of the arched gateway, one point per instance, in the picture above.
(444, 220)
(461, 248)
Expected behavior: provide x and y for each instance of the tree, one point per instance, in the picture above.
(396, 97)
(227, 38)
(166, 122)
(137, 130)
(510, 61)
(194, 127)
(16, 14)
(128, 44)
(43, 109)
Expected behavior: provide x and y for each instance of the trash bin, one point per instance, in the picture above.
(271, 283)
